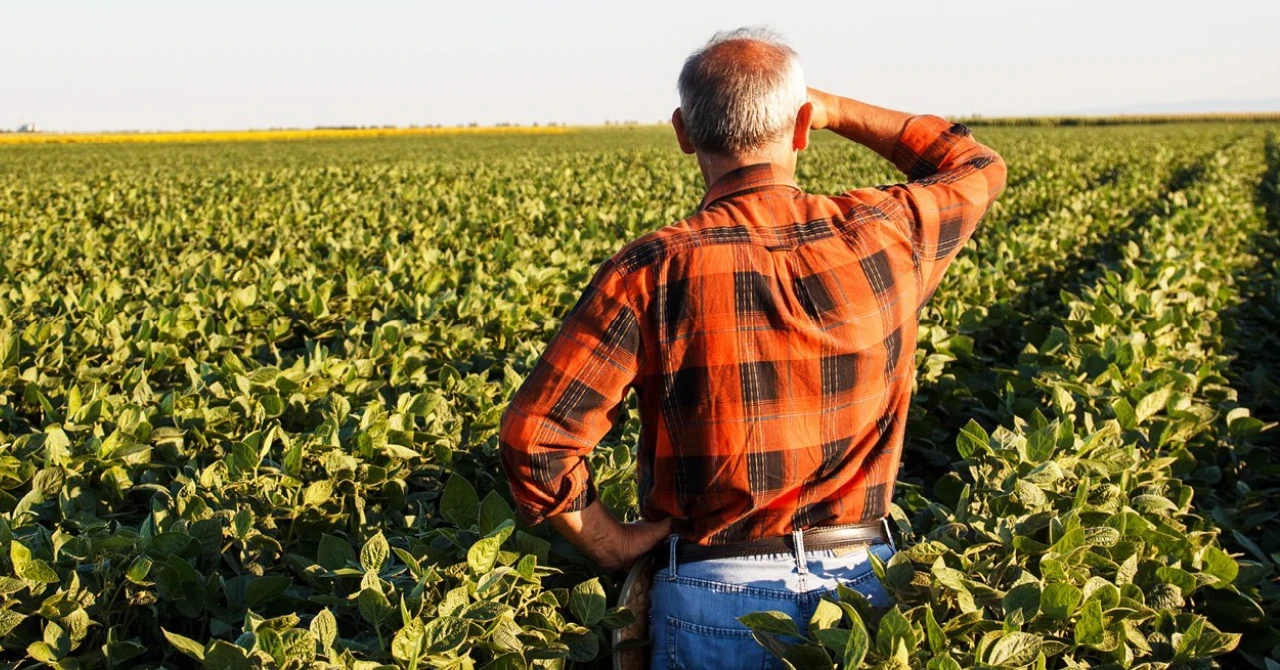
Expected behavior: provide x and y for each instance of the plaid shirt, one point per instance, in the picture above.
(770, 337)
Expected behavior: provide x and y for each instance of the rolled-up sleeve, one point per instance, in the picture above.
(570, 401)
(952, 181)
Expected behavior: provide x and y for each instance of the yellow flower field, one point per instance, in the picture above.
(267, 135)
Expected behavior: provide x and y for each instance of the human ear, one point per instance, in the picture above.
(800, 137)
(677, 122)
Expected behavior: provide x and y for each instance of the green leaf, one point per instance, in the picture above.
(10, 349)
(1186, 643)
(1152, 403)
(511, 661)
(898, 571)
(407, 644)
(222, 655)
(943, 662)
(1040, 444)
(583, 647)
(185, 645)
(1024, 598)
(1241, 426)
(1102, 314)
(859, 641)
(482, 555)
(1185, 581)
(41, 651)
(973, 439)
(1215, 643)
(459, 503)
(138, 570)
(57, 639)
(1220, 564)
(1089, 629)
(1124, 414)
(587, 602)
(9, 619)
(618, 618)
(1015, 649)
(117, 652)
(835, 639)
(374, 553)
(317, 493)
(272, 405)
(777, 623)
(444, 634)
(374, 607)
(9, 585)
(506, 636)
(293, 458)
(949, 577)
(1060, 599)
(29, 568)
(826, 615)
(335, 553)
(936, 636)
(526, 566)
(894, 628)
(494, 511)
(502, 531)
(266, 589)
(243, 460)
(325, 627)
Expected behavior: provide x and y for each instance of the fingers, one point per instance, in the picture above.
(640, 537)
(819, 117)
(656, 532)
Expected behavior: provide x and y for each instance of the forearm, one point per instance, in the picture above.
(874, 127)
(613, 545)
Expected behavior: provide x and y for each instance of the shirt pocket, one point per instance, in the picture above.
(692, 646)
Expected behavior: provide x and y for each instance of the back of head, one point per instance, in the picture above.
(740, 92)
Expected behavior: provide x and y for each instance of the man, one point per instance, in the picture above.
(770, 338)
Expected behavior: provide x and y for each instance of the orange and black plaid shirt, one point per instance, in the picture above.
(770, 337)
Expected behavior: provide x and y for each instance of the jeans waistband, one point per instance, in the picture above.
(797, 543)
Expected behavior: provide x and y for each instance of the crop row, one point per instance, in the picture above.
(248, 401)
(1074, 539)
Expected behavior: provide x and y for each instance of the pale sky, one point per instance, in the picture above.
(78, 65)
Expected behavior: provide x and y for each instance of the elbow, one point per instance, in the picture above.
(508, 431)
(1001, 170)
(515, 465)
(996, 171)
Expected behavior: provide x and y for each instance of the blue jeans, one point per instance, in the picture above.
(694, 607)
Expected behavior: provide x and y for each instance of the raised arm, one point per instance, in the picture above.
(953, 179)
(874, 127)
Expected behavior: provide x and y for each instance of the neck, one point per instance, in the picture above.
(715, 166)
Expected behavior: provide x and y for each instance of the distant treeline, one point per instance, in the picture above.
(1121, 120)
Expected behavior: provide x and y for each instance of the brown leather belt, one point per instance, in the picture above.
(814, 539)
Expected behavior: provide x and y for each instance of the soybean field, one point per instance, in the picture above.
(250, 392)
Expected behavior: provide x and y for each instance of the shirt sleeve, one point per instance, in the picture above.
(952, 182)
(570, 401)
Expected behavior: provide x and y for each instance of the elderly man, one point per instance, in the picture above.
(770, 338)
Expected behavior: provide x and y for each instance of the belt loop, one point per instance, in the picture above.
(888, 533)
(671, 542)
(802, 561)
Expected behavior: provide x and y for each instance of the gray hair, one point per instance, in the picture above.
(741, 91)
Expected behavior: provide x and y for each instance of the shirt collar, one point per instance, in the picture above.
(748, 178)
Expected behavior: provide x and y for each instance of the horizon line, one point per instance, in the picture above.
(441, 128)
